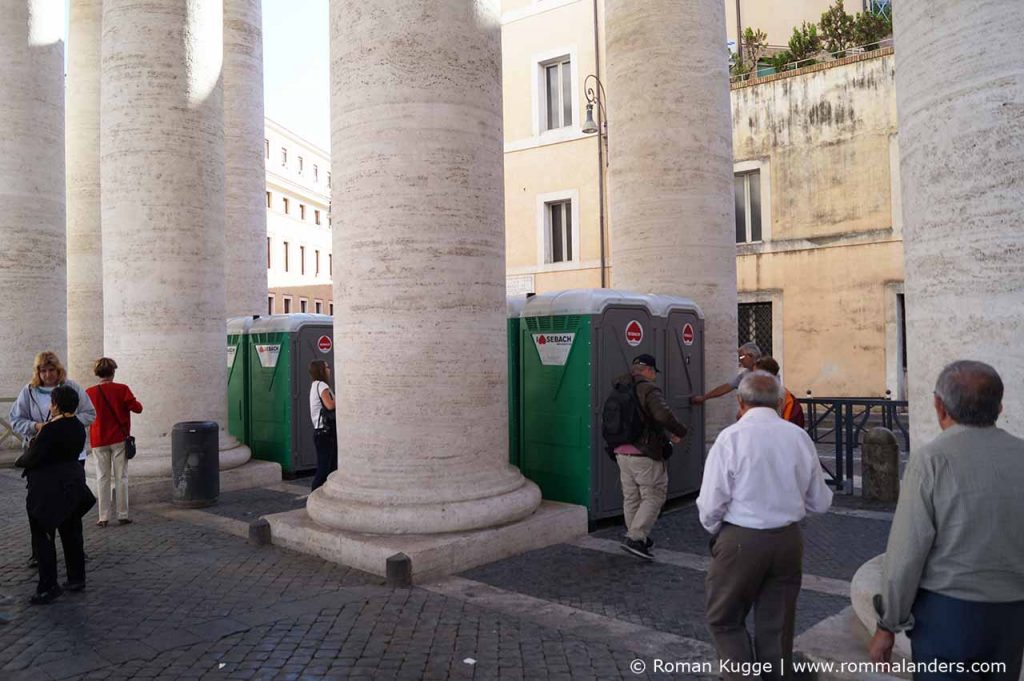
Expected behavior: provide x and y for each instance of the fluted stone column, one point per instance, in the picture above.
(670, 168)
(419, 280)
(33, 307)
(162, 164)
(960, 98)
(85, 254)
(245, 179)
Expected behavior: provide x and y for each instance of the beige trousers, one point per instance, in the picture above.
(644, 488)
(110, 461)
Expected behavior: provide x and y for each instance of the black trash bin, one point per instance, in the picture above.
(195, 463)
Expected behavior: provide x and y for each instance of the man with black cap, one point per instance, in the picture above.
(642, 465)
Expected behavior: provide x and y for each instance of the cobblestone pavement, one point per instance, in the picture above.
(171, 600)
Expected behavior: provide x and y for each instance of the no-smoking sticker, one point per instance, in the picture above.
(324, 344)
(634, 333)
(688, 334)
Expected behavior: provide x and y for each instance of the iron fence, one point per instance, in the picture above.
(841, 421)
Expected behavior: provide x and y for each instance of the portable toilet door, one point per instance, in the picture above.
(622, 331)
(681, 360)
(313, 339)
(238, 378)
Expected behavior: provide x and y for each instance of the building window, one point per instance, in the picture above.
(302, 211)
(330, 308)
(316, 173)
(270, 200)
(330, 264)
(328, 180)
(302, 259)
(557, 94)
(266, 148)
(285, 256)
(558, 232)
(287, 305)
(301, 165)
(316, 216)
(270, 304)
(303, 303)
(318, 307)
(285, 201)
(748, 207)
(316, 261)
(755, 325)
(284, 156)
(268, 252)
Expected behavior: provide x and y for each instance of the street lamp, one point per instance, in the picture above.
(596, 96)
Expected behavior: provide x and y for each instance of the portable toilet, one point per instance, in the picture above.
(238, 383)
(573, 344)
(514, 308)
(280, 350)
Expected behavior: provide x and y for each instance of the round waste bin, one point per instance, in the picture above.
(195, 463)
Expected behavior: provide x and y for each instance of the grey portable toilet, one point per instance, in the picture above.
(573, 344)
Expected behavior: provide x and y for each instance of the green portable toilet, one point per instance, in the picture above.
(514, 308)
(238, 384)
(573, 344)
(280, 350)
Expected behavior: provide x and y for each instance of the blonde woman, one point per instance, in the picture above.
(32, 407)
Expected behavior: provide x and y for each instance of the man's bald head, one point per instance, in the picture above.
(760, 389)
(971, 392)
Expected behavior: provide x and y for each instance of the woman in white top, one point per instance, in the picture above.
(321, 412)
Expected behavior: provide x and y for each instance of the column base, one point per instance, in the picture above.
(158, 489)
(432, 555)
(865, 584)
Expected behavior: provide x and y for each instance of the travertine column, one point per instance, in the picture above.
(670, 167)
(245, 180)
(960, 98)
(162, 163)
(419, 282)
(33, 306)
(85, 255)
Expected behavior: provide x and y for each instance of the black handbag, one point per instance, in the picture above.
(129, 440)
(328, 417)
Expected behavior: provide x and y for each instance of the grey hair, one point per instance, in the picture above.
(760, 389)
(751, 349)
(971, 392)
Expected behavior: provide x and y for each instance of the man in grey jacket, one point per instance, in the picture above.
(954, 566)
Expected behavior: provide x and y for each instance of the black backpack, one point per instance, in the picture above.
(622, 422)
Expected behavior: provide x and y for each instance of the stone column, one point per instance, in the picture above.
(246, 178)
(162, 195)
(419, 282)
(960, 98)
(670, 168)
(85, 255)
(33, 306)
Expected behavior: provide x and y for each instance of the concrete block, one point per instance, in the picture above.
(433, 555)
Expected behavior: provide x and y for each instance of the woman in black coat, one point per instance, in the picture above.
(57, 495)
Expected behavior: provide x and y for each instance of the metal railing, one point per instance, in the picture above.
(842, 420)
(8, 438)
(761, 70)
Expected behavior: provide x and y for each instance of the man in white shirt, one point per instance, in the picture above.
(761, 478)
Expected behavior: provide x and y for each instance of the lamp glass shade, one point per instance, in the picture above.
(589, 126)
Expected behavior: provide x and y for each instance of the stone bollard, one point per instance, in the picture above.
(880, 464)
(399, 571)
(259, 532)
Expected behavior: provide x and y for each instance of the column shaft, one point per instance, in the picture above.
(162, 163)
(85, 254)
(33, 312)
(245, 179)
(960, 98)
(670, 163)
(419, 280)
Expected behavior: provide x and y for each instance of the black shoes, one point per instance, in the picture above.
(32, 563)
(48, 596)
(650, 542)
(74, 586)
(637, 548)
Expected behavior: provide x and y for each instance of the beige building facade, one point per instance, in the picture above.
(819, 235)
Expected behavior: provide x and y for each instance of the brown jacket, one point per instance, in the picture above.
(658, 418)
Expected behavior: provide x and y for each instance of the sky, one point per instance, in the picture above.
(295, 67)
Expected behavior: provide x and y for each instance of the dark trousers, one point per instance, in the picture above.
(44, 545)
(759, 570)
(949, 629)
(326, 456)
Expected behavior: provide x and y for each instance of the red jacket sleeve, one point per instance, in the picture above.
(129, 400)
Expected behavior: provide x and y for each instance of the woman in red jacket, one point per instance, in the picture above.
(114, 403)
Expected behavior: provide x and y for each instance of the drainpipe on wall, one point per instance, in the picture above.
(601, 163)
